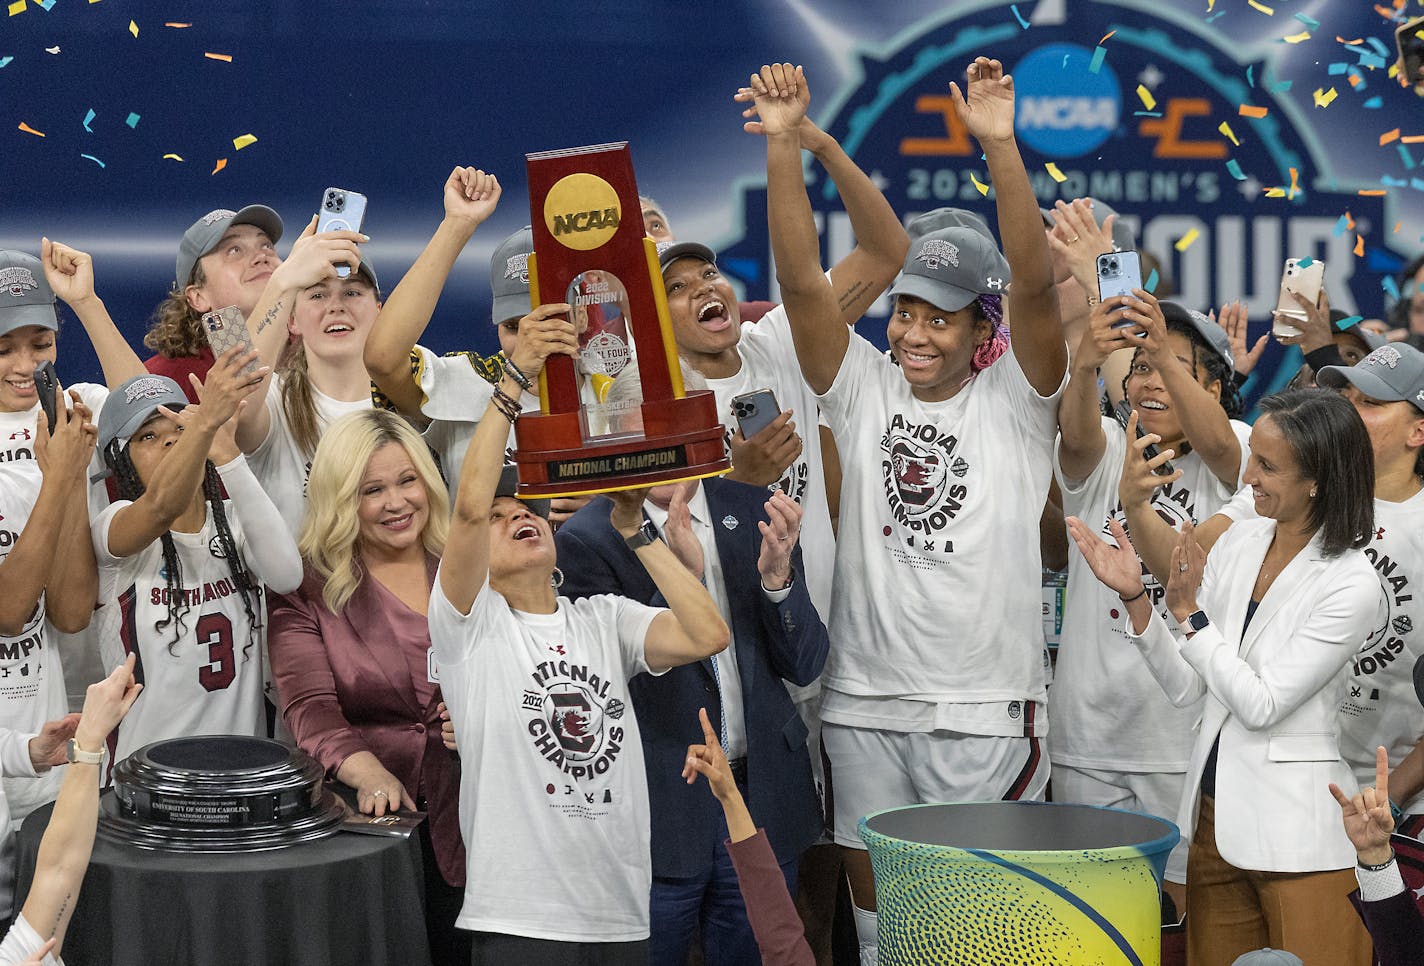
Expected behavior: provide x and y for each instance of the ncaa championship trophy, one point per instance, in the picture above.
(590, 251)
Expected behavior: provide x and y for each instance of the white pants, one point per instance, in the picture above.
(1152, 793)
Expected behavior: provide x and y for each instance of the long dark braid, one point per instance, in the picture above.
(1216, 368)
(241, 576)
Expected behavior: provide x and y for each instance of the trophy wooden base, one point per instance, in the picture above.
(681, 440)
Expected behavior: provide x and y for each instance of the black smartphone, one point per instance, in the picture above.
(46, 382)
(341, 210)
(755, 411)
(1121, 412)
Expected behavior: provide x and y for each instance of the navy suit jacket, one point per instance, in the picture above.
(1396, 927)
(774, 641)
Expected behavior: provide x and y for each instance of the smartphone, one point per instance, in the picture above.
(1409, 38)
(1118, 274)
(226, 328)
(755, 411)
(1121, 412)
(341, 210)
(1304, 276)
(46, 382)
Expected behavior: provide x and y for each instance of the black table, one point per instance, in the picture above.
(341, 900)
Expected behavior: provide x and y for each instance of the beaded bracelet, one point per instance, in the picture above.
(517, 374)
(507, 407)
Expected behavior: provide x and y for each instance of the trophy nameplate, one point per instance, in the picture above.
(591, 252)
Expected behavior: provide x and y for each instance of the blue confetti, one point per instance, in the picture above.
(1146, 113)
(1339, 67)
(94, 159)
(1348, 321)
(1064, 65)
(87, 118)
(1234, 167)
(1379, 46)
(1019, 17)
(1249, 78)
(1212, 17)
(1096, 63)
(1374, 103)
(1371, 61)
(46, 4)
(131, 120)
(1150, 285)
(1393, 182)
(1281, 86)
(1404, 153)
(1310, 22)
(1417, 184)
(1341, 226)
(1306, 262)
(5, 60)
(1390, 286)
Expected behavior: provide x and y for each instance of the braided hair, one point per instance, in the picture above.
(130, 487)
(1204, 359)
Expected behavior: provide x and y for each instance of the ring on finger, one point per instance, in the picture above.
(381, 792)
(1074, 239)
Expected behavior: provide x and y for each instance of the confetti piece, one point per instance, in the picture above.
(173, 156)
(1405, 156)
(1294, 186)
(133, 28)
(1054, 173)
(178, 26)
(1275, 192)
(1339, 67)
(1390, 286)
(1019, 17)
(1412, 139)
(1304, 35)
(1105, 37)
(1281, 86)
(1376, 192)
(1250, 76)
(1096, 63)
(222, 163)
(94, 159)
(1306, 262)
(1359, 245)
(29, 130)
(51, 50)
(1348, 321)
(87, 118)
(1398, 225)
(1148, 101)
(131, 120)
(1234, 167)
(1151, 284)
(5, 60)
(1146, 113)
(45, 5)
(1225, 128)
(1389, 136)
(1186, 240)
(1310, 22)
(1349, 43)
(1393, 182)
(1215, 15)
(1250, 110)
(243, 141)
(1356, 81)
(1374, 103)
(1209, 5)
(1417, 184)
(983, 188)
(227, 58)
(1341, 226)
(17, 7)
(1323, 98)
(1261, 7)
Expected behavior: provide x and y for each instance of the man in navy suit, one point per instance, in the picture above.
(742, 541)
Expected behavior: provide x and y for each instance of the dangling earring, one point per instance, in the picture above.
(1312, 492)
(557, 578)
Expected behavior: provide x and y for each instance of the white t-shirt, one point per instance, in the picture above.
(769, 362)
(1108, 710)
(31, 677)
(17, 437)
(280, 464)
(22, 942)
(210, 681)
(1380, 706)
(936, 618)
(554, 798)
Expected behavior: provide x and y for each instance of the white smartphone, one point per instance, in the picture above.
(341, 210)
(1303, 276)
(1118, 274)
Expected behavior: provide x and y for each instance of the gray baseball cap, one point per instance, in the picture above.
(951, 267)
(1122, 236)
(132, 404)
(1372, 340)
(25, 296)
(367, 272)
(922, 225)
(509, 276)
(1214, 334)
(205, 233)
(508, 485)
(1391, 373)
(669, 252)
(1268, 957)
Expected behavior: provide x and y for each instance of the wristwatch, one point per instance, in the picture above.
(644, 535)
(78, 756)
(1198, 620)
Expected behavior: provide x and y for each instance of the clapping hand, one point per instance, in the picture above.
(1117, 567)
(779, 535)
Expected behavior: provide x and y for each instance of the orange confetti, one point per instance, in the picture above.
(29, 130)
(1389, 136)
(1355, 81)
(1250, 110)
(222, 163)
(227, 58)
(1374, 193)
(1349, 222)
(178, 26)
(1294, 187)
(1105, 37)
(1350, 43)
(1412, 139)
(1398, 225)
(1359, 244)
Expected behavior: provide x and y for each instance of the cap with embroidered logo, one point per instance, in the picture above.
(1267, 957)
(921, 225)
(509, 276)
(25, 295)
(205, 233)
(1391, 373)
(950, 267)
(131, 405)
(1214, 335)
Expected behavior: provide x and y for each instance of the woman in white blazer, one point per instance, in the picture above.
(1285, 600)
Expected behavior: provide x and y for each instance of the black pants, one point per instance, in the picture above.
(498, 949)
(448, 946)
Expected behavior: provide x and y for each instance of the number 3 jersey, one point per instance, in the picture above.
(207, 681)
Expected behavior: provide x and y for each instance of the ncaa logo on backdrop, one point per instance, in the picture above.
(1062, 108)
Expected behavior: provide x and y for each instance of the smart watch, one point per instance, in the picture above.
(1198, 621)
(78, 756)
(644, 535)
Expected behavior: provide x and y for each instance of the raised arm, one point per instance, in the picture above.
(1079, 412)
(72, 584)
(69, 839)
(817, 328)
(988, 113)
(464, 566)
(179, 475)
(470, 197)
(693, 627)
(70, 274)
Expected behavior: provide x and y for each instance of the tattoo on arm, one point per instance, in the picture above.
(59, 916)
(271, 315)
(853, 294)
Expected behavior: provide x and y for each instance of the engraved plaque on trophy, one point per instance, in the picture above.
(591, 252)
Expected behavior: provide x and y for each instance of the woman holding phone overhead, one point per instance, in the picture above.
(1267, 625)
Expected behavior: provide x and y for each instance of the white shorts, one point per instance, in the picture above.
(1152, 793)
(868, 770)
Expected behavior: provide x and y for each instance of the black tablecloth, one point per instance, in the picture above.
(345, 899)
